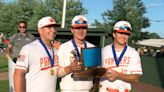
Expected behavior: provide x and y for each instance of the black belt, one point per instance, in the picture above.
(14, 60)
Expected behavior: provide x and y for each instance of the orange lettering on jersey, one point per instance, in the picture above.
(109, 61)
(41, 62)
(45, 63)
(128, 60)
(125, 61)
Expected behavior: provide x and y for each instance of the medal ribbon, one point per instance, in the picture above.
(75, 46)
(117, 61)
(51, 58)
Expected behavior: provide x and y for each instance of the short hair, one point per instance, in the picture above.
(23, 22)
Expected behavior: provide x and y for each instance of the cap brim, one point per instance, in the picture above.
(80, 25)
(123, 31)
(56, 25)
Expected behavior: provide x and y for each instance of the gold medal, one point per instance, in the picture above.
(52, 72)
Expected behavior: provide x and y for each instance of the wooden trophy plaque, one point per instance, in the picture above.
(91, 64)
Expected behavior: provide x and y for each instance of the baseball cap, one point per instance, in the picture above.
(47, 21)
(122, 27)
(79, 21)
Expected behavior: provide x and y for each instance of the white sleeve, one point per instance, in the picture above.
(135, 65)
(23, 59)
(61, 56)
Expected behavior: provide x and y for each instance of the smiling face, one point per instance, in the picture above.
(120, 38)
(47, 33)
(79, 33)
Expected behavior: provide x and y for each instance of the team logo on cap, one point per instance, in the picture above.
(51, 20)
(126, 25)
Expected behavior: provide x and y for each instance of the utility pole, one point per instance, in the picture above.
(64, 13)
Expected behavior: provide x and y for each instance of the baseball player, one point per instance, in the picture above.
(122, 62)
(37, 67)
(79, 30)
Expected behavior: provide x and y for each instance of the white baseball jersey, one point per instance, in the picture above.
(65, 58)
(35, 61)
(130, 64)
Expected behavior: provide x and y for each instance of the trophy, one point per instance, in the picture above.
(90, 62)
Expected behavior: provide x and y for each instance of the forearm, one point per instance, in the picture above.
(19, 81)
(8, 50)
(131, 78)
(64, 70)
(68, 69)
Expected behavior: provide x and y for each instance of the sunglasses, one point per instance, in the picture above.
(125, 28)
(80, 22)
(22, 26)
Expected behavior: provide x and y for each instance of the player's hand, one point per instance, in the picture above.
(75, 66)
(8, 56)
(112, 75)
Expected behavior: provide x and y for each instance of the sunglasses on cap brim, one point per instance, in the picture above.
(80, 22)
(125, 28)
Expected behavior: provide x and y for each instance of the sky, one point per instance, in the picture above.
(154, 10)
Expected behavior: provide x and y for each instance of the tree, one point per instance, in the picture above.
(149, 35)
(129, 10)
(55, 7)
(32, 10)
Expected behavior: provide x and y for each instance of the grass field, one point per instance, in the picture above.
(4, 86)
(3, 64)
(150, 72)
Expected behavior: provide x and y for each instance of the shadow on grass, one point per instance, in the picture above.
(160, 67)
(4, 66)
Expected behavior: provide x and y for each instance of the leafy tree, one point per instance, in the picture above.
(73, 8)
(148, 35)
(32, 10)
(154, 36)
(129, 10)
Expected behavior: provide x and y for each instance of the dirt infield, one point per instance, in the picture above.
(137, 87)
(4, 76)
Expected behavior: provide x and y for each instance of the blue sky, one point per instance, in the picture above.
(154, 8)
(155, 12)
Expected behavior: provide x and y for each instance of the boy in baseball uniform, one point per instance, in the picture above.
(37, 67)
(122, 62)
(79, 29)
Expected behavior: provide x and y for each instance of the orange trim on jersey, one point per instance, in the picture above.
(45, 68)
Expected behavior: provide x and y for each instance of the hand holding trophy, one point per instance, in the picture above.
(89, 64)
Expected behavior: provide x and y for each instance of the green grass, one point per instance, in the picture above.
(3, 63)
(4, 86)
(150, 71)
